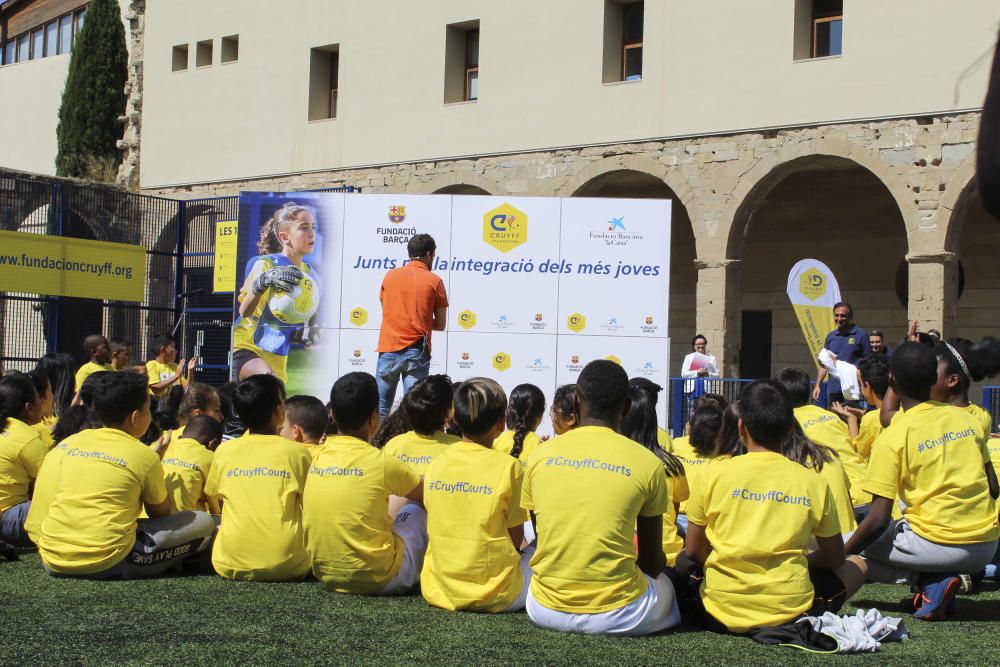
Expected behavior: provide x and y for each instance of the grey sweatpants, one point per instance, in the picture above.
(160, 544)
(901, 555)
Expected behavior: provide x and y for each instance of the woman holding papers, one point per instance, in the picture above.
(700, 364)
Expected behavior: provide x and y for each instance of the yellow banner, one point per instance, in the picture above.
(813, 289)
(226, 237)
(59, 266)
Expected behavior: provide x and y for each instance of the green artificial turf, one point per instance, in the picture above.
(206, 620)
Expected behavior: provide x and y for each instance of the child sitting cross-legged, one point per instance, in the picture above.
(97, 481)
(188, 461)
(592, 491)
(750, 523)
(524, 414)
(934, 458)
(258, 480)
(353, 544)
(473, 498)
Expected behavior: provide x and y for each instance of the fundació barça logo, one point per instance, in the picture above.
(397, 214)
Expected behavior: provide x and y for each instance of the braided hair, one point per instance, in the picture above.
(525, 408)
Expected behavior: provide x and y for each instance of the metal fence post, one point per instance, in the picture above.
(677, 418)
(57, 225)
(179, 267)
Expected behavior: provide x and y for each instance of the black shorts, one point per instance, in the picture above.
(240, 359)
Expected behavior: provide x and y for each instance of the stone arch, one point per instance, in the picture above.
(756, 183)
(459, 182)
(961, 191)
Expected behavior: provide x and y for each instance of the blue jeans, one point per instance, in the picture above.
(12, 525)
(412, 364)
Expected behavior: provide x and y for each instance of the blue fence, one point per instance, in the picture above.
(991, 401)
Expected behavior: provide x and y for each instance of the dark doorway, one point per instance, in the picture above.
(755, 345)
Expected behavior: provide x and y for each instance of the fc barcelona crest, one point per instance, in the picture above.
(465, 356)
(397, 214)
(357, 353)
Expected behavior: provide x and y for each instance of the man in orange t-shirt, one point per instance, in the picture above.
(414, 304)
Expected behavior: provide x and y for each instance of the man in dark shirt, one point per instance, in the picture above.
(849, 342)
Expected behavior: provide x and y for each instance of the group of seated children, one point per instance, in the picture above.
(456, 494)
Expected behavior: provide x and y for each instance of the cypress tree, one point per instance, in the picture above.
(94, 95)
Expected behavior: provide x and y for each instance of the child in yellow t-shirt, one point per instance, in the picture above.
(46, 418)
(98, 351)
(866, 427)
(21, 454)
(593, 493)
(475, 520)
(935, 460)
(561, 412)
(960, 363)
(306, 419)
(258, 480)
(95, 483)
(751, 520)
(164, 370)
(524, 414)
(640, 425)
(353, 544)
(188, 461)
(121, 352)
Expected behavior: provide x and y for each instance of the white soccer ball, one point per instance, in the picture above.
(297, 306)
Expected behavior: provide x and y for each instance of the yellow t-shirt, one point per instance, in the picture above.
(505, 443)
(993, 447)
(587, 488)
(44, 431)
(825, 428)
(345, 514)
(260, 479)
(664, 440)
(673, 544)
(103, 476)
(835, 475)
(473, 497)
(869, 430)
(314, 449)
(693, 462)
(160, 372)
(759, 512)
(21, 454)
(45, 490)
(932, 458)
(417, 451)
(89, 369)
(186, 465)
(984, 418)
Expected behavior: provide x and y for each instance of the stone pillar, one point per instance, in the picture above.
(718, 310)
(933, 290)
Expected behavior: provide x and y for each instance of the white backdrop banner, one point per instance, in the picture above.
(538, 286)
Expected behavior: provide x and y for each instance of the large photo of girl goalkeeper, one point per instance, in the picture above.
(279, 319)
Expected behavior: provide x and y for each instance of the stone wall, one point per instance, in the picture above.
(917, 190)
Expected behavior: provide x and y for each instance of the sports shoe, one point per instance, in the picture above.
(991, 571)
(967, 584)
(936, 597)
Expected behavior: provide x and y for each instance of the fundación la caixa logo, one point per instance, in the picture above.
(812, 284)
(505, 228)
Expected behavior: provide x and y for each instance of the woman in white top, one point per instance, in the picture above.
(699, 364)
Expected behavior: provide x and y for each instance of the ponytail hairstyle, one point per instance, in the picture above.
(479, 404)
(728, 442)
(15, 391)
(527, 405)
(639, 425)
(797, 447)
(268, 242)
(706, 422)
(397, 423)
(971, 362)
(197, 396)
(60, 368)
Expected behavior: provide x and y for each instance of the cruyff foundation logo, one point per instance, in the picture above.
(501, 361)
(576, 322)
(359, 317)
(467, 319)
(505, 228)
(812, 284)
(613, 358)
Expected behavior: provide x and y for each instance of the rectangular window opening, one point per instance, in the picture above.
(180, 58)
(324, 81)
(623, 40)
(51, 38)
(37, 43)
(230, 49)
(65, 34)
(461, 62)
(203, 53)
(819, 29)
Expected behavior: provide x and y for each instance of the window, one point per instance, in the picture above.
(819, 29)
(37, 43)
(623, 31)
(179, 61)
(79, 16)
(51, 38)
(8, 53)
(65, 34)
(203, 53)
(461, 62)
(22, 49)
(324, 81)
(230, 49)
